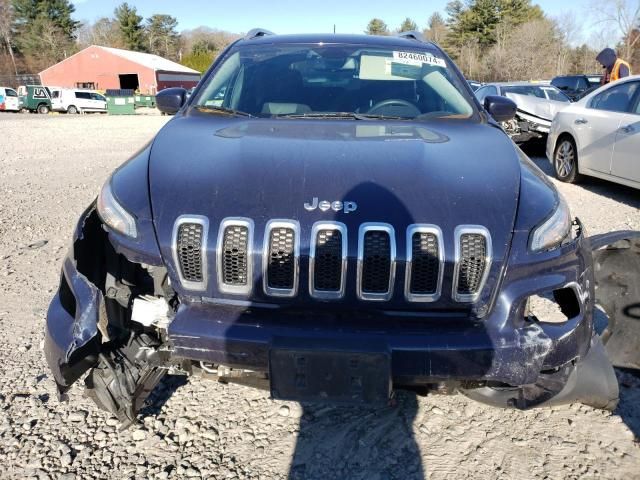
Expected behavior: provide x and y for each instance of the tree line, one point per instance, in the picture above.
(35, 34)
(493, 40)
(488, 39)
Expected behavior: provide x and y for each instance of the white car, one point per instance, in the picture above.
(77, 100)
(599, 135)
(9, 99)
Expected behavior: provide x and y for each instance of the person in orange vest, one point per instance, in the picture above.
(614, 68)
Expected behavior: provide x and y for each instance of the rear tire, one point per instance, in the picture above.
(72, 110)
(43, 109)
(565, 161)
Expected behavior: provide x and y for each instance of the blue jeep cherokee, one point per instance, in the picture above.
(333, 217)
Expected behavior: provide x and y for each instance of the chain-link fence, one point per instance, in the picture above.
(15, 81)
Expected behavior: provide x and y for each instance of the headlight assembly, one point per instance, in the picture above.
(554, 230)
(113, 214)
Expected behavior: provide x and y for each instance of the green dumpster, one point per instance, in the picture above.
(148, 101)
(120, 102)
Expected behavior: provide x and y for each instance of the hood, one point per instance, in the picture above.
(446, 173)
(538, 107)
(607, 58)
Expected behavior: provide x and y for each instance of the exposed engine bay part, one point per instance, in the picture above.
(533, 117)
(523, 128)
(618, 292)
(150, 311)
(124, 377)
(590, 381)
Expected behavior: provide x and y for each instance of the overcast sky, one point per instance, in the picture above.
(304, 16)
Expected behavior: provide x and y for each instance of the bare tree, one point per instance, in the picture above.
(103, 32)
(568, 30)
(624, 16)
(528, 52)
(6, 19)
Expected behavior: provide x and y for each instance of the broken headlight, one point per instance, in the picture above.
(554, 230)
(113, 214)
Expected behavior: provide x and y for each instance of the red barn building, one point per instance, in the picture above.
(105, 68)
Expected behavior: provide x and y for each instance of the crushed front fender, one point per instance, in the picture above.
(72, 336)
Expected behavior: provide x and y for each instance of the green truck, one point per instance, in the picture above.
(34, 98)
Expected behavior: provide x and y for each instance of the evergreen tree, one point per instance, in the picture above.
(162, 36)
(131, 29)
(44, 31)
(408, 25)
(377, 27)
(58, 12)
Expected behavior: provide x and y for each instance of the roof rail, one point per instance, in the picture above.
(412, 35)
(256, 33)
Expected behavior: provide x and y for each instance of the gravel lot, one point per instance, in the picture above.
(52, 167)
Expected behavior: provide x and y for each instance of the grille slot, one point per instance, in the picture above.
(189, 251)
(376, 261)
(280, 258)
(234, 255)
(328, 260)
(425, 262)
(473, 260)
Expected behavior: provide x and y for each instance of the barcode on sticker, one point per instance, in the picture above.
(412, 58)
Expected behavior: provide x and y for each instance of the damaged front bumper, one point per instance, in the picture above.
(506, 358)
(72, 340)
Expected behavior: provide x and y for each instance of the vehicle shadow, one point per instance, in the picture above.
(619, 193)
(358, 442)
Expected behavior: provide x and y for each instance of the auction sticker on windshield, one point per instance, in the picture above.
(418, 59)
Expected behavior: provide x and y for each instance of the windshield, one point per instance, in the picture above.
(554, 94)
(335, 80)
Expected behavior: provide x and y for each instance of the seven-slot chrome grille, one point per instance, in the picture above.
(328, 253)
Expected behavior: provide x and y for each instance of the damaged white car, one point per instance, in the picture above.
(537, 105)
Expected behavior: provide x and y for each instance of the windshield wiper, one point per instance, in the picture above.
(354, 115)
(223, 111)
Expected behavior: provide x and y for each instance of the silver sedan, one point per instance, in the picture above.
(599, 135)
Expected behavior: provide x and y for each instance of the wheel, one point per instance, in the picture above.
(565, 161)
(43, 109)
(72, 109)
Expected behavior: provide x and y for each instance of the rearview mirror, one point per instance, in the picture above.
(501, 109)
(170, 100)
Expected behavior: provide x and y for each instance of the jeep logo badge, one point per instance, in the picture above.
(325, 205)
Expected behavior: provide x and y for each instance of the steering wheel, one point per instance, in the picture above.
(392, 104)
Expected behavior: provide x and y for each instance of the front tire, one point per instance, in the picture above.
(72, 109)
(565, 161)
(43, 109)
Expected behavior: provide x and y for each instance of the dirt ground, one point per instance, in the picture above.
(50, 170)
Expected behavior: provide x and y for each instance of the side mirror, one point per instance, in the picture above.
(170, 100)
(501, 109)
